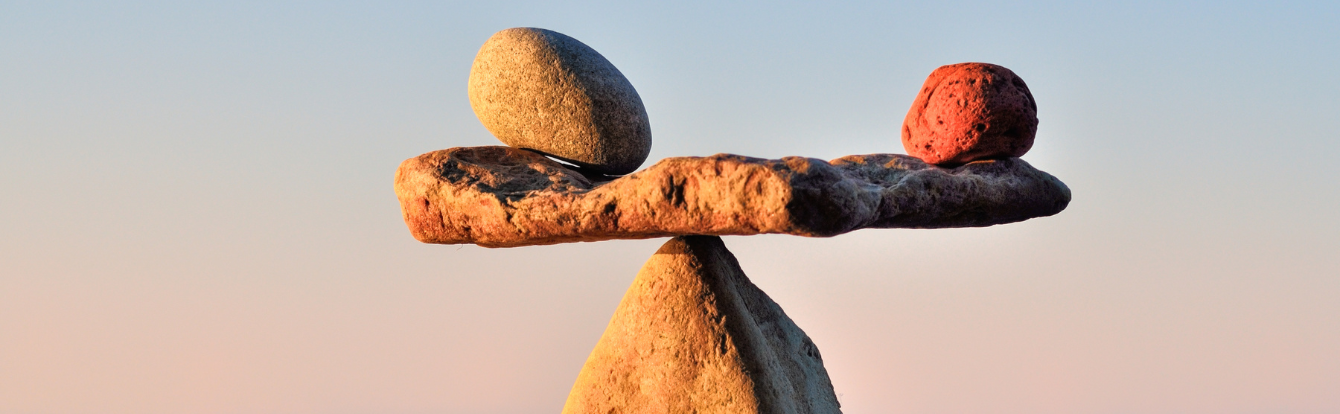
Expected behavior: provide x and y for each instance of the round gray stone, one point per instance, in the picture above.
(542, 90)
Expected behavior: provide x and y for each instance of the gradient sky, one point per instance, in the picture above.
(196, 207)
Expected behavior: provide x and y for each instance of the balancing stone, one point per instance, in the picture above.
(544, 91)
(968, 112)
(505, 197)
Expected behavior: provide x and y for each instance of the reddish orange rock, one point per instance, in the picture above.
(970, 111)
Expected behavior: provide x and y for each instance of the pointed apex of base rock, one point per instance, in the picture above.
(694, 335)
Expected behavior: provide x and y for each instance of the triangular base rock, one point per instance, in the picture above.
(694, 335)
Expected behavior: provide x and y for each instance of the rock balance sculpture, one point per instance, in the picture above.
(693, 334)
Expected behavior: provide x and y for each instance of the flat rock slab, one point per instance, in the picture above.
(499, 196)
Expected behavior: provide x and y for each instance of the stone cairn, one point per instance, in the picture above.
(693, 334)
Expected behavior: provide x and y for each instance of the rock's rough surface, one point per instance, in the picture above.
(693, 335)
(542, 90)
(504, 197)
(968, 112)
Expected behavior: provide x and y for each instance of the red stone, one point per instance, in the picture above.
(970, 111)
